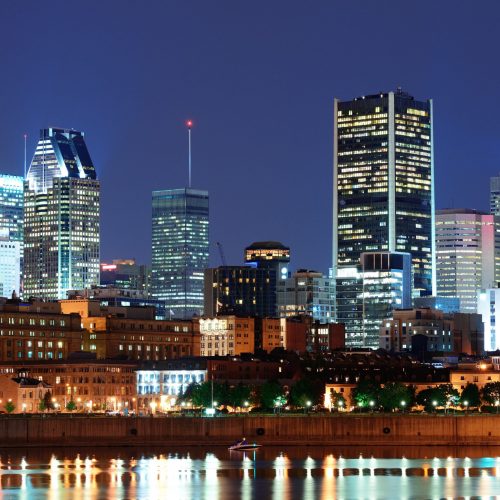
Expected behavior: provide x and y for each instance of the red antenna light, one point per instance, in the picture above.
(189, 123)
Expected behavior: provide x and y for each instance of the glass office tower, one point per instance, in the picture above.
(179, 250)
(467, 254)
(383, 197)
(61, 218)
(11, 207)
(11, 233)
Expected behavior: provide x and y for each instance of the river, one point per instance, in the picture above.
(271, 472)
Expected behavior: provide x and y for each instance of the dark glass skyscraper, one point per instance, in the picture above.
(383, 192)
(180, 249)
(61, 217)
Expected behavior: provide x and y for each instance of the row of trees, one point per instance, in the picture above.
(270, 395)
(394, 395)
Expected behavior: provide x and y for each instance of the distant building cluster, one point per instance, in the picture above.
(405, 277)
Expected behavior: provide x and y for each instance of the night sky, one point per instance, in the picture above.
(258, 78)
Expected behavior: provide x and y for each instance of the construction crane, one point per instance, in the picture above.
(221, 253)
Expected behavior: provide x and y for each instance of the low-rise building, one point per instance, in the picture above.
(226, 335)
(89, 382)
(429, 330)
(23, 393)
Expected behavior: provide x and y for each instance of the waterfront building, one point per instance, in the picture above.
(241, 290)
(61, 217)
(430, 330)
(92, 384)
(467, 254)
(23, 393)
(306, 292)
(495, 195)
(126, 274)
(180, 248)
(159, 384)
(10, 267)
(383, 196)
(488, 304)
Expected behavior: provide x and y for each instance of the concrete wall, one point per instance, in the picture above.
(321, 430)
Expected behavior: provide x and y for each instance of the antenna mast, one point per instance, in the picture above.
(25, 137)
(189, 125)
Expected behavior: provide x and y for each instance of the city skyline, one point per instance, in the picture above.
(263, 111)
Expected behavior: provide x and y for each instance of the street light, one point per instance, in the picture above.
(341, 405)
(372, 404)
(497, 403)
(434, 404)
(466, 404)
(308, 405)
(403, 404)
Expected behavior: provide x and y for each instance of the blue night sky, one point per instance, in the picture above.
(259, 79)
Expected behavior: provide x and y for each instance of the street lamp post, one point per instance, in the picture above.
(308, 406)
(497, 404)
(403, 404)
(372, 404)
(341, 405)
(466, 404)
(434, 404)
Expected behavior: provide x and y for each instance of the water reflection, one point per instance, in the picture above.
(276, 473)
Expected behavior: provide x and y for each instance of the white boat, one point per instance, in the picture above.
(244, 446)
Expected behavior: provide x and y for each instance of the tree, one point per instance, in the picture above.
(47, 401)
(305, 393)
(491, 392)
(71, 406)
(442, 395)
(470, 395)
(201, 394)
(392, 396)
(337, 400)
(365, 392)
(238, 395)
(271, 393)
(9, 407)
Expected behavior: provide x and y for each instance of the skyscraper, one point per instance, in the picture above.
(383, 191)
(495, 195)
(467, 254)
(179, 249)
(11, 233)
(61, 222)
(11, 207)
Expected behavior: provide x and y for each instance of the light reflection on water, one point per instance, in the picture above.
(271, 472)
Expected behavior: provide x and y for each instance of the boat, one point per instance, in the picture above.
(243, 445)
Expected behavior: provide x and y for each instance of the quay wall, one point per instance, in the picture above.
(277, 430)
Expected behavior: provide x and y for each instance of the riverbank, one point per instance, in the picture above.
(415, 430)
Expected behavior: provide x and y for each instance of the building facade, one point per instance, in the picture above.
(383, 197)
(241, 290)
(495, 195)
(180, 249)
(91, 384)
(430, 330)
(61, 217)
(488, 306)
(226, 335)
(467, 254)
(126, 274)
(387, 285)
(10, 267)
(306, 292)
(11, 233)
